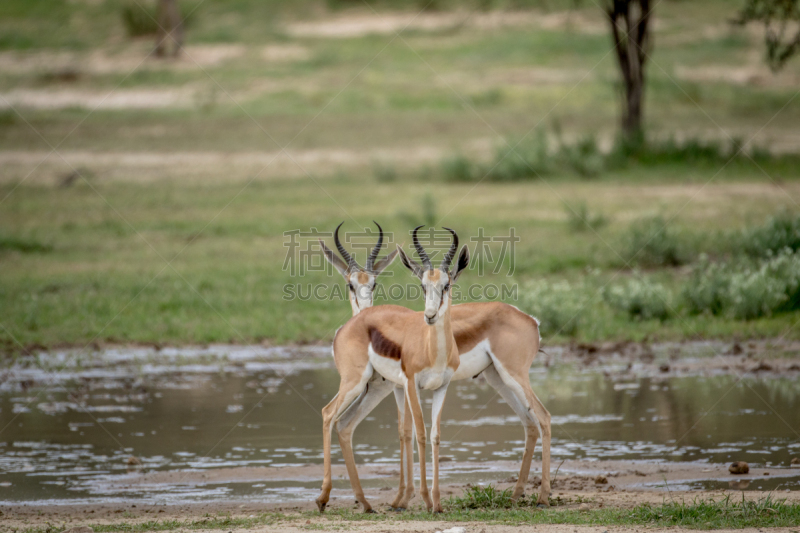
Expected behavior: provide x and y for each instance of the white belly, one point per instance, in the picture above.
(470, 364)
(474, 361)
(432, 379)
(386, 367)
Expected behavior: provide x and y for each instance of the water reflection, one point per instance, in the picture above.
(264, 411)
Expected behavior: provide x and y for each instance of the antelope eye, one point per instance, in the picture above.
(351, 287)
(446, 287)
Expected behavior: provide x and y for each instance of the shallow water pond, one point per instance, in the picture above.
(68, 429)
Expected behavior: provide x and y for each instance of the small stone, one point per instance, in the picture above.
(454, 530)
(739, 467)
(664, 368)
(132, 461)
(795, 461)
(583, 507)
(601, 480)
(79, 529)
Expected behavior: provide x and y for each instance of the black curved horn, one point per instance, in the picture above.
(351, 263)
(426, 261)
(451, 253)
(375, 251)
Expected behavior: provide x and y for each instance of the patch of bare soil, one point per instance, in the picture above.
(631, 359)
(757, 75)
(105, 61)
(352, 25)
(80, 98)
(285, 53)
(48, 168)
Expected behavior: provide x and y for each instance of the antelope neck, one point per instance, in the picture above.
(440, 340)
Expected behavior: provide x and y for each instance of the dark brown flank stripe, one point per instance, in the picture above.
(384, 346)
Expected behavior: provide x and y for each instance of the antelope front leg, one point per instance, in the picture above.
(412, 395)
(436, 422)
(408, 437)
(402, 413)
(328, 414)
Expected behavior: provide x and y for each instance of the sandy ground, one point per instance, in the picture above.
(352, 25)
(627, 485)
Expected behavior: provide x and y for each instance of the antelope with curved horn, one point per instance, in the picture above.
(360, 281)
(415, 350)
(361, 289)
(496, 340)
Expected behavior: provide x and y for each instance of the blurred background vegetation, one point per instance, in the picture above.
(145, 192)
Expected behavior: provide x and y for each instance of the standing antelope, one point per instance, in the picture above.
(494, 339)
(415, 350)
(361, 290)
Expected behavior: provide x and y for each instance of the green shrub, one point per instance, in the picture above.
(25, 246)
(691, 151)
(459, 168)
(746, 289)
(785, 266)
(651, 243)
(140, 19)
(384, 173)
(640, 299)
(762, 289)
(708, 288)
(487, 497)
(559, 306)
(753, 295)
(579, 218)
(519, 160)
(779, 232)
(584, 157)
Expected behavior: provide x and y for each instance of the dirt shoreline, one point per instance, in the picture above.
(629, 484)
(762, 356)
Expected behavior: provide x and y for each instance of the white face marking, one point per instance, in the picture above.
(360, 286)
(437, 286)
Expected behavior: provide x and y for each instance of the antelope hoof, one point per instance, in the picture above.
(542, 505)
(397, 509)
(370, 511)
(321, 506)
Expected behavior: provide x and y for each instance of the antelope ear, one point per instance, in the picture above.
(462, 264)
(333, 259)
(410, 263)
(383, 263)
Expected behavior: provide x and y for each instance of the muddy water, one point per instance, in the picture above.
(70, 422)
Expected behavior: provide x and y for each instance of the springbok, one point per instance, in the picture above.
(414, 350)
(361, 290)
(497, 340)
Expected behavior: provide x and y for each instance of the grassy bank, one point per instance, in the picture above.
(699, 514)
(169, 263)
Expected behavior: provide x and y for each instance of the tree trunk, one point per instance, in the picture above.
(629, 29)
(170, 28)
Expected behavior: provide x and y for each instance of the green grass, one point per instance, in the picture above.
(177, 263)
(496, 508)
(163, 253)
